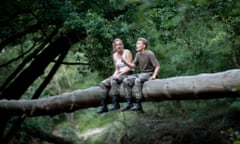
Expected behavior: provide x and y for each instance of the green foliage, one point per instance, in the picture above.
(188, 37)
(185, 39)
(174, 118)
(235, 104)
(44, 123)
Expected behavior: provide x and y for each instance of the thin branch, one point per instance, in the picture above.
(72, 63)
(7, 41)
(20, 56)
(25, 61)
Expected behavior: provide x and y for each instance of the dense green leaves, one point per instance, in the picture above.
(188, 37)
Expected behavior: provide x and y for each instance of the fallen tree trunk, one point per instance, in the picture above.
(203, 86)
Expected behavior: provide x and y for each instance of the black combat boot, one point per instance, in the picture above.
(104, 107)
(128, 106)
(115, 105)
(137, 106)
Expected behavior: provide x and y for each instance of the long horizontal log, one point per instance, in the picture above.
(202, 86)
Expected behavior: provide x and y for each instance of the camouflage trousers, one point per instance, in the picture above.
(132, 84)
(111, 86)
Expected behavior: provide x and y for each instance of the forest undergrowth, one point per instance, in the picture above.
(170, 122)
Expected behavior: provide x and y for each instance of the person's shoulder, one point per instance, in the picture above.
(138, 53)
(114, 54)
(127, 51)
(150, 52)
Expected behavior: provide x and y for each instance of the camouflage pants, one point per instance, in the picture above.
(111, 86)
(133, 84)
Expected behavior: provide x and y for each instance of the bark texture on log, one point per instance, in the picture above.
(202, 86)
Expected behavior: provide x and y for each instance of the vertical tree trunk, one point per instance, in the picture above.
(28, 76)
(36, 95)
(36, 69)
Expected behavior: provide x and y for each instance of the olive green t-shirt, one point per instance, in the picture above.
(146, 62)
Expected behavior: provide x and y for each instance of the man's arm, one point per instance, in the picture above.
(155, 73)
(155, 62)
(124, 72)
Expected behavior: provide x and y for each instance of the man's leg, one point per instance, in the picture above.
(141, 78)
(105, 85)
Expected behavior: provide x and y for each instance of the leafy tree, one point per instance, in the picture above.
(188, 37)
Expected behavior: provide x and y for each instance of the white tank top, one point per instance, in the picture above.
(121, 66)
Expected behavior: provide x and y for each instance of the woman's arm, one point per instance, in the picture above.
(129, 62)
(116, 69)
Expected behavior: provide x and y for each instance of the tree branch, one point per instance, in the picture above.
(7, 41)
(72, 63)
(18, 57)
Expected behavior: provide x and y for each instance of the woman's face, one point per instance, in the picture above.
(118, 46)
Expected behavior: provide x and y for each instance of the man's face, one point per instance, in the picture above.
(118, 46)
(140, 46)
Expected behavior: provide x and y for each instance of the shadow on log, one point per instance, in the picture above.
(202, 86)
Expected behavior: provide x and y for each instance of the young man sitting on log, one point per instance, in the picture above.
(149, 66)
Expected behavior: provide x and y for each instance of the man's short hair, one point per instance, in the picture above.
(145, 41)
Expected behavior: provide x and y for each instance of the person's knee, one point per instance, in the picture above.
(125, 83)
(103, 85)
(114, 82)
(128, 82)
(137, 81)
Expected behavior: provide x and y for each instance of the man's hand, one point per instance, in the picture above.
(152, 78)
